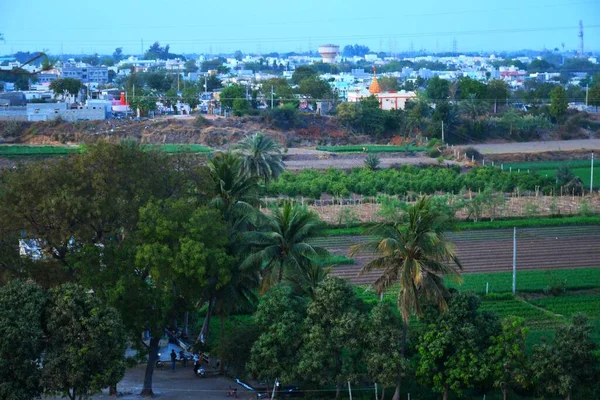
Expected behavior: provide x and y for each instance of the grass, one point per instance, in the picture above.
(580, 168)
(496, 224)
(14, 150)
(531, 281)
(370, 149)
(24, 150)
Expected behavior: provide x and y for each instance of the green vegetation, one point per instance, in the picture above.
(26, 150)
(371, 149)
(580, 168)
(16, 150)
(334, 259)
(407, 179)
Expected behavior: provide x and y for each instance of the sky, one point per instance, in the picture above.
(263, 26)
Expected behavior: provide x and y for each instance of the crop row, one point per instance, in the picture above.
(569, 305)
(17, 150)
(429, 180)
(371, 149)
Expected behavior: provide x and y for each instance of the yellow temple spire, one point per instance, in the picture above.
(374, 88)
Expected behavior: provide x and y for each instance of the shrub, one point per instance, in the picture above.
(472, 153)
(284, 117)
(13, 129)
(372, 162)
(434, 153)
(201, 122)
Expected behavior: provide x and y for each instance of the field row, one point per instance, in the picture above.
(16, 150)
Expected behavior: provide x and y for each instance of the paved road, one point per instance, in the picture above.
(535, 147)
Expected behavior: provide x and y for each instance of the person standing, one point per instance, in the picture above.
(173, 359)
(182, 358)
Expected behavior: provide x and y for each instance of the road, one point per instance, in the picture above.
(536, 147)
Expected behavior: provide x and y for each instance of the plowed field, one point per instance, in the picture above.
(492, 250)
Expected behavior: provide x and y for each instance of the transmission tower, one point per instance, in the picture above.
(580, 38)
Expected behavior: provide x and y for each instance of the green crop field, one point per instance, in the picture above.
(581, 169)
(370, 149)
(24, 150)
(14, 150)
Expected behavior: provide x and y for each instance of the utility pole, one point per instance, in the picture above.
(272, 97)
(443, 131)
(514, 282)
(587, 88)
(133, 86)
(592, 175)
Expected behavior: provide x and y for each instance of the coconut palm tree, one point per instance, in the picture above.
(236, 192)
(281, 248)
(414, 253)
(261, 157)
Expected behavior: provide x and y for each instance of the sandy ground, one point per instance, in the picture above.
(534, 147)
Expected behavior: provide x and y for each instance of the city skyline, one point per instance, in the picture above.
(275, 27)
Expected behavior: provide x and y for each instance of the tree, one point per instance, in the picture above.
(144, 103)
(414, 253)
(156, 52)
(558, 103)
(279, 319)
(453, 347)
(539, 65)
(21, 311)
(63, 86)
(497, 90)
(388, 83)
(159, 81)
(282, 246)
(564, 175)
(86, 344)
(303, 72)
(383, 340)
(118, 54)
(261, 157)
(330, 353)
(315, 88)
(469, 87)
(594, 95)
(437, 89)
(238, 55)
(190, 66)
(567, 365)
(231, 93)
(282, 91)
(506, 357)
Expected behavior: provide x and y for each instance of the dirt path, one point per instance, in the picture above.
(535, 147)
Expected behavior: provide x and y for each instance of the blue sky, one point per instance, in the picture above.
(277, 25)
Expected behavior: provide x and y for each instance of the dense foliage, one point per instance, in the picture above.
(312, 183)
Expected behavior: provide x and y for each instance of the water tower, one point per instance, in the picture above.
(329, 52)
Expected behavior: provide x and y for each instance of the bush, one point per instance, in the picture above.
(201, 122)
(472, 153)
(284, 117)
(434, 153)
(372, 162)
(13, 129)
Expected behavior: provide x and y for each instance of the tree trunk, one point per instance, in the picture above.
(382, 393)
(186, 320)
(221, 340)
(568, 396)
(495, 106)
(203, 335)
(112, 391)
(337, 391)
(445, 396)
(504, 393)
(152, 355)
(402, 353)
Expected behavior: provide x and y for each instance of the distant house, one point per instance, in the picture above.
(12, 99)
(85, 74)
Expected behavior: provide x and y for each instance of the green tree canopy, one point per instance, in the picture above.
(279, 318)
(303, 72)
(231, 93)
(63, 86)
(261, 157)
(437, 89)
(558, 102)
(22, 340)
(86, 344)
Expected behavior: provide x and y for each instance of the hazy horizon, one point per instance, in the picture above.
(270, 26)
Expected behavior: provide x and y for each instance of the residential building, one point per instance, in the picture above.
(85, 73)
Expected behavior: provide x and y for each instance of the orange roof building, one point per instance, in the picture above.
(391, 100)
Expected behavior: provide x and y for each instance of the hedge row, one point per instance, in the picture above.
(371, 149)
(429, 180)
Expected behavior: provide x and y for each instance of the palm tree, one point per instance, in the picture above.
(238, 295)
(236, 193)
(305, 282)
(414, 253)
(261, 157)
(281, 247)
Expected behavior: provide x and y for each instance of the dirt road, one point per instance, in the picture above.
(536, 147)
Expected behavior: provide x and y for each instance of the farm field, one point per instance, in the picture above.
(18, 150)
(370, 149)
(488, 251)
(581, 169)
